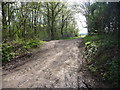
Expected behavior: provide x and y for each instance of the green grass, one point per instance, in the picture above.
(80, 36)
(71, 37)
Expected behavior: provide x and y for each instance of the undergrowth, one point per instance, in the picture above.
(102, 56)
(18, 47)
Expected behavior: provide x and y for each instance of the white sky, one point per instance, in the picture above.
(81, 23)
(80, 19)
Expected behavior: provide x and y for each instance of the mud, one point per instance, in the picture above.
(58, 64)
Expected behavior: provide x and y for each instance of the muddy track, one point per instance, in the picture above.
(59, 64)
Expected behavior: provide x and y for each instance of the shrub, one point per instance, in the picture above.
(15, 48)
(102, 57)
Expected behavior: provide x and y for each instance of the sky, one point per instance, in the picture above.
(81, 23)
(80, 19)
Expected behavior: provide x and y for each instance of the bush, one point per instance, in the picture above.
(7, 52)
(16, 48)
(102, 57)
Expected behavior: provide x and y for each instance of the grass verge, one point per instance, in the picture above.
(80, 36)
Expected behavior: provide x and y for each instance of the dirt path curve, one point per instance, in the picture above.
(59, 64)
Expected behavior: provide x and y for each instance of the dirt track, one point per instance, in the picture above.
(59, 64)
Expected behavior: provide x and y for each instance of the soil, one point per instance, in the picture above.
(58, 64)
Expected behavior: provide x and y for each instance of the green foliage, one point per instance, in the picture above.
(32, 43)
(91, 38)
(24, 24)
(113, 71)
(28, 20)
(70, 37)
(103, 17)
(15, 48)
(7, 52)
(102, 57)
(102, 53)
